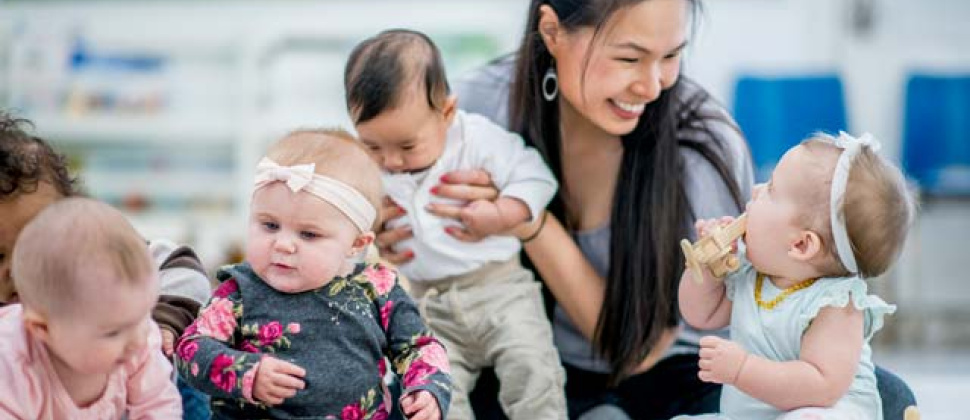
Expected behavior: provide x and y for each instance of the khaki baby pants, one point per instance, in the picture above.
(494, 316)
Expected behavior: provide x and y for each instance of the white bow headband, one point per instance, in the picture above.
(851, 147)
(298, 178)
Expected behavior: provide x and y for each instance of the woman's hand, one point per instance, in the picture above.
(387, 238)
(468, 186)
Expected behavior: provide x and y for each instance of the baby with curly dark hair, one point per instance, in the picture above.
(26, 161)
(32, 175)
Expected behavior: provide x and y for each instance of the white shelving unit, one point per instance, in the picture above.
(122, 129)
(223, 80)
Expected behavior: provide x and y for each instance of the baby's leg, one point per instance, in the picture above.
(463, 378)
(520, 344)
(440, 309)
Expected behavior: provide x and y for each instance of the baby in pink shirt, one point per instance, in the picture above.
(81, 345)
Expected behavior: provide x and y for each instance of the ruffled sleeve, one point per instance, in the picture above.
(838, 293)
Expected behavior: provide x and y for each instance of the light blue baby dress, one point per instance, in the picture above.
(776, 334)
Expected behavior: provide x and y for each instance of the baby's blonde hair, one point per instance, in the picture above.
(64, 252)
(336, 154)
(878, 207)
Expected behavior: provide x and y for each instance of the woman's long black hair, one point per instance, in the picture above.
(651, 212)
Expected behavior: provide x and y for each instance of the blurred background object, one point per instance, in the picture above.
(776, 113)
(165, 106)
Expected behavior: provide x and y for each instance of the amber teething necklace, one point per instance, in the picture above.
(769, 305)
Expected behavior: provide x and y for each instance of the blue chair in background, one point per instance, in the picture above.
(936, 134)
(776, 113)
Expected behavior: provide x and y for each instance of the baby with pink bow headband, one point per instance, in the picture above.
(300, 328)
(834, 213)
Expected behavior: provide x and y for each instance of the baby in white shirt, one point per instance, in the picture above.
(399, 100)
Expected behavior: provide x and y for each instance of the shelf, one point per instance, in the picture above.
(134, 128)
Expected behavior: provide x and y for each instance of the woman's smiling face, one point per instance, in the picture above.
(609, 78)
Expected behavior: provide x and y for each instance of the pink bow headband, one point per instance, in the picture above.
(298, 178)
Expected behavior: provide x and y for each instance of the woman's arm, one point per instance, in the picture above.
(573, 281)
(567, 273)
(570, 277)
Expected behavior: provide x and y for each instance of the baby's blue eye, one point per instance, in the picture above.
(271, 225)
(309, 235)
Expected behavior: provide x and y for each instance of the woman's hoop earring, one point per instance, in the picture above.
(550, 84)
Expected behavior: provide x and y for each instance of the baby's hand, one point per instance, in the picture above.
(483, 218)
(168, 342)
(420, 405)
(277, 380)
(720, 360)
(704, 227)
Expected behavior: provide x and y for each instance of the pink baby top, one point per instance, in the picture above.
(30, 389)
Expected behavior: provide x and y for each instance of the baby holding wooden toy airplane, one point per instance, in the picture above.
(834, 213)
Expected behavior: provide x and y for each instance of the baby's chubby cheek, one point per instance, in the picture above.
(7, 292)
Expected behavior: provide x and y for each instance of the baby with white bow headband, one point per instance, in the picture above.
(300, 329)
(834, 213)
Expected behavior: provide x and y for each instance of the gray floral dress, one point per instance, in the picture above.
(340, 334)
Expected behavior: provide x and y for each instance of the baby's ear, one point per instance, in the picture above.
(450, 108)
(36, 324)
(807, 246)
(360, 243)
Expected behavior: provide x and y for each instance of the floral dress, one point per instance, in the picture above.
(339, 333)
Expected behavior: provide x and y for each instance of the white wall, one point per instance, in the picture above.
(805, 36)
(736, 36)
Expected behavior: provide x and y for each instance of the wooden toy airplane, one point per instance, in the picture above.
(714, 250)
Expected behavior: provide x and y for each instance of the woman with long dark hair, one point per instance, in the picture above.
(640, 152)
